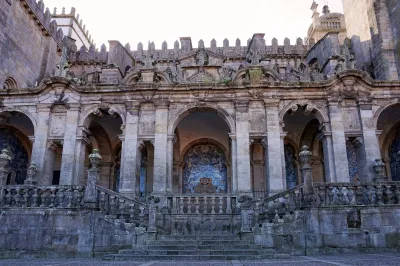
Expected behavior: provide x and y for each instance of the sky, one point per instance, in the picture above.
(137, 21)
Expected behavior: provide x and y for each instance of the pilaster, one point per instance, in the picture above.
(68, 154)
(243, 147)
(341, 165)
(326, 138)
(50, 157)
(40, 139)
(370, 146)
(129, 153)
(274, 148)
(161, 148)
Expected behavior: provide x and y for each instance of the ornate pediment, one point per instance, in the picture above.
(202, 76)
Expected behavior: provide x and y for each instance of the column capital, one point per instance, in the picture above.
(52, 146)
(324, 127)
(141, 146)
(172, 138)
(232, 136)
(132, 107)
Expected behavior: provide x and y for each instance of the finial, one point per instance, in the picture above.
(55, 11)
(63, 11)
(325, 10)
(201, 44)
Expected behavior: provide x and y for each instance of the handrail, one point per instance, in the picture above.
(283, 193)
(118, 195)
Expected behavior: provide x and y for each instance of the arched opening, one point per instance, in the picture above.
(303, 128)
(388, 124)
(104, 128)
(201, 152)
(15, 130)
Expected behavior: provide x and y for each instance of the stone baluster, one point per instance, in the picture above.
(90, 198)
(340, 195)
(359, 195)
(331, 194)
(60, 198)
(70, 197)
(141, 215)
(4, 161)
(370, 194)
(44, 198)
(350, 195)
(197, 205)
(131, 211)
(35, 197)
(52, 197)
(213, 204)
(78, 197)
(25, 199)
(220, 204)
(379, 195)
(181, 204)
(121, 208)
(17, 197)
(205, 210)
(321, 195)
(102, 201)
(389, 194)
(189, 205)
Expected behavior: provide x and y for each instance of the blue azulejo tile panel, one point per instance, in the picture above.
(291, 168)
(204, 160)
(395, 157)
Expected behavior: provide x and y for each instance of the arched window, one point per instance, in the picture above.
(10, 84)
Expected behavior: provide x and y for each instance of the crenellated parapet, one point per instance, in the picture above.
(43, 19)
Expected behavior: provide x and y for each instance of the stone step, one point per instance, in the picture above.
(120, 257)
(200, 237)
(196, 252)
(201, 247)
(197, 242)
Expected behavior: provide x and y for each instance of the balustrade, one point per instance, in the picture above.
(203, 204)
(25, 196)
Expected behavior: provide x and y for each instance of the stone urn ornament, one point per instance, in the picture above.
(32, 169)
(379, 167)
(95, 158)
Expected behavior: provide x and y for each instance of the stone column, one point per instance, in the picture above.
(326, 138)
(170, 146)
(141, 149)
(161, 149)
(49, 169)
(233, 164)
(370, 145)
(274, 148)
(68, 154)
(242, 148)
(128, 183)
(40, 139)
(306, 169)
(341, 165)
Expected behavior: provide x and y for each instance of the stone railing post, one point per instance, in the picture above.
(306, 169)
(90, 197)
(246, 213)
(152, 228)
(30, 175)
(379, 167)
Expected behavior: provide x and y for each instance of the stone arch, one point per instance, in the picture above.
(241, 74)
(85, 116)
(204, 141)
(184, 112)
(131, 78)
(320, 114)
(382, 108)
(10, 84)
(25, 112)
(271, 73)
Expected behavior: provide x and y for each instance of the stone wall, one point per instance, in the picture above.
(334, 230)
(60, 233)
(394, 12)
(27, 53)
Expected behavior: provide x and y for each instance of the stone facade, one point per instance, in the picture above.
(186, 139)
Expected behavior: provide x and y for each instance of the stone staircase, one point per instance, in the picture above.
(195, 248)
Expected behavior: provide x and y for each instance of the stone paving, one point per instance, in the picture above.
(386, 259)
